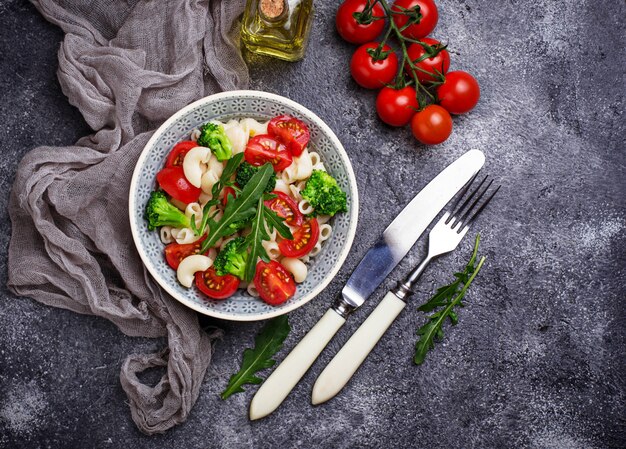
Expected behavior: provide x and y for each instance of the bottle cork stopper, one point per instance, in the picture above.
(272, 8)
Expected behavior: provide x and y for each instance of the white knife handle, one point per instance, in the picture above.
(276, 387)
(353, 353)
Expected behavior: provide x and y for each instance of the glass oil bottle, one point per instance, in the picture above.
(278, 28)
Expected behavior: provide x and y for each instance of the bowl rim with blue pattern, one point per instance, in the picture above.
(224, 106)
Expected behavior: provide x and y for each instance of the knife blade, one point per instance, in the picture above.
(377, 263)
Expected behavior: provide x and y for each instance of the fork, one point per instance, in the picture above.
(444, 237)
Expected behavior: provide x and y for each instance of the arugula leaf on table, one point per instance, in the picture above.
(265, 220)
(225, 180)
(266, 344)
(239, 210)
(449, 296)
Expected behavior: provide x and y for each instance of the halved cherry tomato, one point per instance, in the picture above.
(228, 192)
(303, 241)
(426, 24)
(173, 181)
(176, 252)
(176, 156)
(264, 148)
(215, 286)
(286, 208)
(274, 283)
(292, 132)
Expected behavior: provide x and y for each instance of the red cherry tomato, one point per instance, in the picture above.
(176, 156)
(459, 93)
(286, 208)
(292, 132)
(304, 239)
(264, 148)
(229, 193)
(427, 23)
(373, 74)
(215, 286)
(395, 107)
(274, 283)
(176, 252)
(432, 125)
(438, 63)
(173, 181)
(351, 30)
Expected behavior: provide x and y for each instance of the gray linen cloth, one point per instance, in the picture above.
(127, 66)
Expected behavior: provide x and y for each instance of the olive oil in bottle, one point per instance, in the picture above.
(278, 28)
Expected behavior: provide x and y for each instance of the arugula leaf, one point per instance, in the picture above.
(255, 242)
(448, 297)
(225, 180)
(275, 222)
(265, 220)
(239, 210)
(267, 343)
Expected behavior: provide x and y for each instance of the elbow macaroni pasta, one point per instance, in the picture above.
(189, 265)
(296, 267)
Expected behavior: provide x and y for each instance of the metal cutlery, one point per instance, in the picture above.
(443, 238)
(377, 263)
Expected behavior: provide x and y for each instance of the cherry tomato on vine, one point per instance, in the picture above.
(438, 63)
(273, 282)
(216, 286)
(427, 23)
(459, 93)
(373, 74)
(173, 181)
(351, 30)
(396, 107)
(432, 125)
(177, 155)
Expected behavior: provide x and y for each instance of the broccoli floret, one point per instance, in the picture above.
(160, 212)
(232, 259)
(247, 171)
(324, 194)
(214, 137)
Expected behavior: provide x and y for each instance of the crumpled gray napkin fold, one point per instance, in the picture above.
(127, 66)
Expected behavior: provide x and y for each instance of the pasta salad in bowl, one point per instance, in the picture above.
(243, 205)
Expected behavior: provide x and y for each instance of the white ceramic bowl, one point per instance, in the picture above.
(225, 106)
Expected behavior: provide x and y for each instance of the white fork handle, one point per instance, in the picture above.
(353, 353)
(280, 383)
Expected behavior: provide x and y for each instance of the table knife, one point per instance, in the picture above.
(377, 263)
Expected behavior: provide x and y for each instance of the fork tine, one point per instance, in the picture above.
(457, 213)
(455, 210)
(482, 206)
(476, 201)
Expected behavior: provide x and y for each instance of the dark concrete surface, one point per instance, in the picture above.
(538, 358)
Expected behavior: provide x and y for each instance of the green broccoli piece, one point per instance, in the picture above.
(324, 194)
(247, 171)
(214, 137)
(160, 212)
(232, 259)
